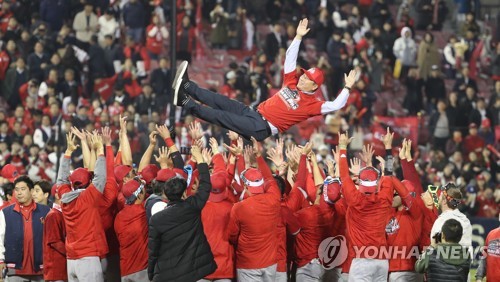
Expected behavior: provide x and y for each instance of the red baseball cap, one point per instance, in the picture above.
(132, 188)
(486, 122)
(121, 171)
(368, 178)
(149, 173)
(10, 173)
(219, 191)
(80, 178)
(165, 174)
(314, 74)
(253, 179)
(331, 190)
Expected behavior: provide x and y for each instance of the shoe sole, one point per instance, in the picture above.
(178, 79)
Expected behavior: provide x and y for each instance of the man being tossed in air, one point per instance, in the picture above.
(294, 103)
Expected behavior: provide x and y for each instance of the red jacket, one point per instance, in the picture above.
(253, 225)
(215, 217)
(107, 203)
(54, 248)
(473, 144)
(289, 225)
(366, 214)
(493, 255)
(315, 226)
(403, 230)
(154, 41)
(131, 227)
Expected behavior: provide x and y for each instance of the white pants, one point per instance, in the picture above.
(86, 269)
(369, 270)
(310, 272)
(405, 276)
(267, 274)
(139, 276)
(215, 280)
(30, 278)
(281, 277)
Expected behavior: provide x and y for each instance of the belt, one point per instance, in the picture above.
(268, 128)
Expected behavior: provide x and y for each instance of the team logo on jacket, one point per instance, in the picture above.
(392, 227)
(290, 97)
(332, 251)
(494, 248)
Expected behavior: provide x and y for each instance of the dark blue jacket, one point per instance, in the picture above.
(134, 15)
(14, 235)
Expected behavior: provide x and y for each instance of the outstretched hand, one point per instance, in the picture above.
(350, 79)
(302, 29)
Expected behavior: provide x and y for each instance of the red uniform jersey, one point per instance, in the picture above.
(253, 225)
(84, 233)
(315, 226)
(290, 225)
(107, 203)
(366, 214)
(493, 255)
(54, 248)
(215, 217)
(131, 227)
(289, 106)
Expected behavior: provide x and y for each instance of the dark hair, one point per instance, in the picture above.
(453, 195)
(25, 179)
(8, 189)
(174, 188)
(45, 185)
(281, 183)
(452, 230)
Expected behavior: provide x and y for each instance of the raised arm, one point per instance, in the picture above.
(126, 151)
(200, 198)
(99, 180)
(64, 171)
(175, 155)
(84, 145)
(146, 157)
(351, 194)
(293, 51)
(409, 171)
(341, 100)
(111, 190)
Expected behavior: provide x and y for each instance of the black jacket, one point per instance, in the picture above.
(178, 247)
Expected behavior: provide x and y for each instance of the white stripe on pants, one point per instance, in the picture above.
(86, 269)
(405, 276)
(369, 270)
(267, 274)
(310, 272)
(139, 276)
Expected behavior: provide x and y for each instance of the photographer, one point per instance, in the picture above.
(446, 260)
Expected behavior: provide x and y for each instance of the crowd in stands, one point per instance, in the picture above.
(83, 64)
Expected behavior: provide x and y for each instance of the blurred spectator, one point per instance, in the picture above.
(134, 17)
(156, 35)
(450, 57)
(322, 29)
(379, 13)
(186, 40)
(85, 24)
(434, 88)
(37, 62)
(455, 144)
(337, 58)
(405, 50)
(274, 41)
(160, 80)
(464, 82)
(425, 14)
(413, 101)
(480, 113)
(473, 142)
(487, 207)
(470, 24)
(107, 25)
(428, 56)
(53, 12)
(273, 10)
(439, 125)
(219, 20)
(486, 133)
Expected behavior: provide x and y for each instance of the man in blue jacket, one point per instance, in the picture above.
(21, 235)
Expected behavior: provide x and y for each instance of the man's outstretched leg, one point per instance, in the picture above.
(247, 123)
(216, 101)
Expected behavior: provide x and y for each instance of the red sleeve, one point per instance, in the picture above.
(411, 174)
(233, 228)
(111, 188)
(240, 163)
(118, 158)
(291, 222)
(408, 200)
(54, 234)
(230, 170)
(310, 187)
(219, 164)
(302, 172)
(294, 200)
(340, 207)
(351, 194)
(268, 178)
(290, 79)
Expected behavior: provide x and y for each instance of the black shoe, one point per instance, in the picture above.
(180, 80)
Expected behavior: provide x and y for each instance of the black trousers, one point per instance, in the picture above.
(227, 113)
